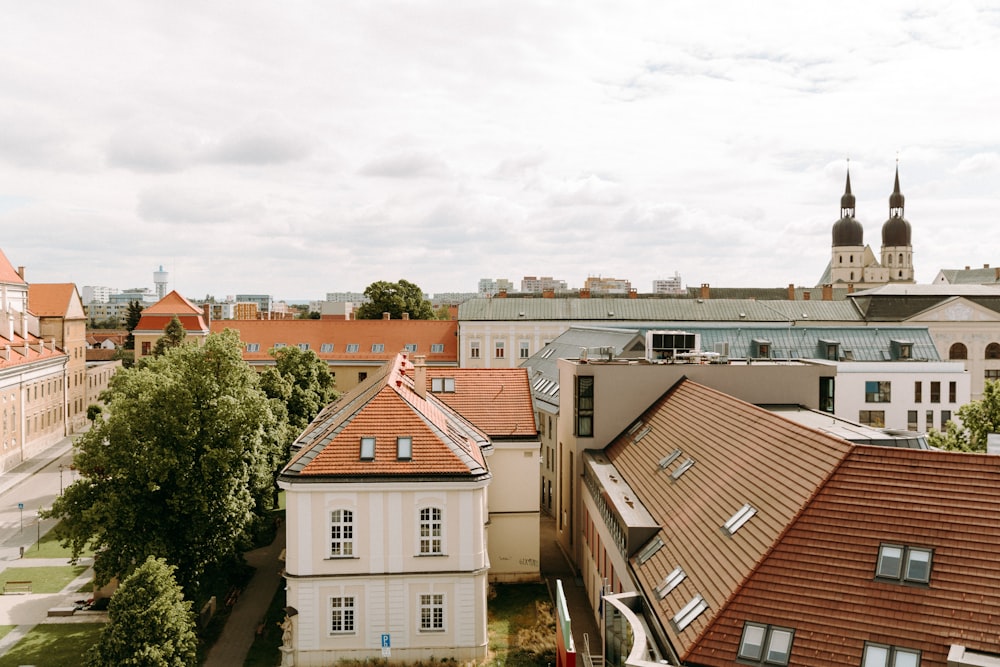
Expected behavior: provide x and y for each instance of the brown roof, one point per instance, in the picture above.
(392, 335)
(820, 578)
(743, 454)
(54, 300)
(496, 400)
(8, 274)
(385, 407)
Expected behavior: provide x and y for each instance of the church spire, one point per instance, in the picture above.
(896, 199)
(847, 202)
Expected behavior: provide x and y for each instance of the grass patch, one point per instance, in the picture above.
(53, 645)
(264, 650)
(49, 546)
(4, 629)
(521, 626)
(43, 579)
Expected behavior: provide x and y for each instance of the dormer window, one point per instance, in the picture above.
(368, 448)
(761, 349)
(378, 347)
(439, 385)
(404, 448)
(904, 564)
(352, 347)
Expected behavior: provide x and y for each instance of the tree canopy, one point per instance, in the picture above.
(182, 467)
(150, 624)
(395, 298)
(300, 381)
(132, 316)
(173, 336)
(979, 419)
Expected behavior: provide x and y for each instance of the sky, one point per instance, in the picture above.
(302, 147)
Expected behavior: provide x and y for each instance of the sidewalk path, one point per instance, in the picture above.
(249, 611)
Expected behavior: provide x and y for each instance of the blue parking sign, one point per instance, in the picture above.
(385, 640)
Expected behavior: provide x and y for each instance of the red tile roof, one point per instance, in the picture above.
(156, 317)
(37, 351)
(392, 335)
(173, 304)
(496, 400)
(8, 274)
(820, 578)
(54, 300)
(385, 406)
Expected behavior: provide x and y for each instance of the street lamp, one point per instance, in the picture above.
(61, 466)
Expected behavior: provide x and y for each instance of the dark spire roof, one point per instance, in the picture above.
(896, 230)
(847, 231)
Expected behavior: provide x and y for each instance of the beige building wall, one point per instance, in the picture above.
(514, 512)
(99, 376)
(32, 402)
(70, 335)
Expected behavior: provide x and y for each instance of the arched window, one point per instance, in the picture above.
(840, 258)
(889, 257)
(993, 351)
(900, 274)
(900, 258)
(958, 351)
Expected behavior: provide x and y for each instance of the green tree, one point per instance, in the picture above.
(181, 468)
(93, 412)
(302, 381)
(132, 316)
(173, 336)
(150, 624)
(395, 298)
(979, 419)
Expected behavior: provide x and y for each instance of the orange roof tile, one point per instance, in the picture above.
(820, 578)
(496, 400)
(385, 407)
(330, 339)
(156, 323)
(17, 355)
(173, 304)
(8, 274)
(54, 300)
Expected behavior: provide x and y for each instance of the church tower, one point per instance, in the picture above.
(897, 251)
(847, 262)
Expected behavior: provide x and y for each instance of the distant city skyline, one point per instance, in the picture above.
(313, 147)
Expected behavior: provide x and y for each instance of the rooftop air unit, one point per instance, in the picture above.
(665, 346)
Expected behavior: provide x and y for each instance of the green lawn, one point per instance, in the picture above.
(521, 626)
(49, 547)
(53, 645)
(4, 629)
(43, 579)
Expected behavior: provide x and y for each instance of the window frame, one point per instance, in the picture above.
(902, 574)
(763, 654)
(881, 392)
(352, 348)
(583, 400)
(872, 418)
(404, 448)
(499, 349)
(890, 654)
(437, 348)
(473, 349)
(430, 531)
(346, 604)
(431, 612)
(342, 520)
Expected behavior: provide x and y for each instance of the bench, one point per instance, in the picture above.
(62, 611)
(17, 587)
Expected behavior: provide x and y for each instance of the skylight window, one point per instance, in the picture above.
(437, 348)
(649, 550)
(689, 612)
(635, 427)
(253, 347)
(669, 458)
(411, 347)
(737, 520)
(404, 448)
(326, 348)
(641, 434)
(904, 564)
(670, 582)
(303, 346)
(378, 347)
(278, 346)
(683, 468)
(439, 385)
(368, 448)
(352, 347)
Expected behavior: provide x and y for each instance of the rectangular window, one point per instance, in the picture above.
(873, 418)
(826, 394)
(439, 385)
(410, 347)
(368, 448)
(524, 349)
(326, 348)
(474, 349)
(498, 349)
(935, 392)
(378, 347)
(878, 391)
(278, 346)
(352, 347)
(303, 346)
(911, 420)
(904, 564)
(341, 534)
(945, 418)
(362, 376)
(404, 448)
(341, 614)
(430, 531)
(585, 406)
(437, 348)
(431, 612)
(992, 374)
(930, 419)
(952, 393)
(881, 655)
(146, 349)
(918, 391)
(766, 644)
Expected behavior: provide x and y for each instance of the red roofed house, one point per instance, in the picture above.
(388, 513)
(155, 318)
(353, 348)
(725, 534)
(32, 376)
(61, 317)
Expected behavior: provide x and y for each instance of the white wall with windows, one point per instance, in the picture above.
(911, 396)
(404, 558)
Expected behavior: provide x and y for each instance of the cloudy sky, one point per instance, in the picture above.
(298, 148)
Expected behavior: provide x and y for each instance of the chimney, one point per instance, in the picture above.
(806, 295)
(584, 293)
(502, 294)
(850, 288)
(828, 292)
(986, 266)
(420, 375)
(548, 294)
(52, 344)
(996, 273)
(386, 316)
(9, 332)
(406, 316)
(966, 267)
(633, 293)
(705, 291)
(791, 291)
(207, 311)
(20, 272)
